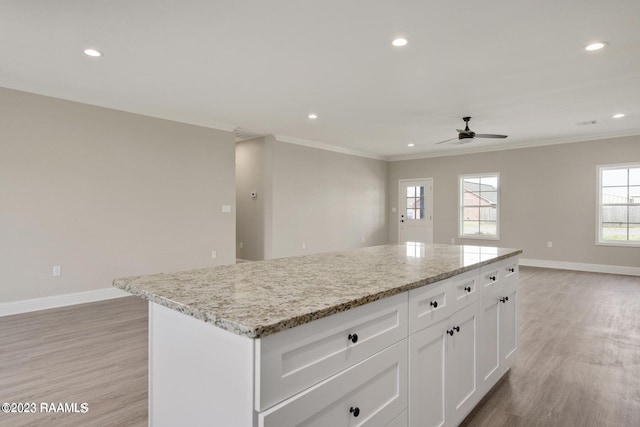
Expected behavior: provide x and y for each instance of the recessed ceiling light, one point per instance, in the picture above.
(92, 52)
(399, 42)
(595, 46)
(411, 145)
(313, 116)
(618, 116)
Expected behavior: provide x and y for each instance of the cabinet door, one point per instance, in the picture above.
(461, 370)
(508, 325)
(489, 366)
(427, 353)
(371, 393)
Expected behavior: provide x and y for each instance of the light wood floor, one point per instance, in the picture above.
(579, 362)
(94, 353)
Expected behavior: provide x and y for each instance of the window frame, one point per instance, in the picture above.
(599, 240)
(461, 234)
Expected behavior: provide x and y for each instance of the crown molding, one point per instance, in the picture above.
(525, 144)
(327, 147)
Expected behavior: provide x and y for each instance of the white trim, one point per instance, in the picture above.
(599, 240)
(327, 147)
(402, 200)
(508, 146)
(461, 206)
(594, 268)
(44, 303)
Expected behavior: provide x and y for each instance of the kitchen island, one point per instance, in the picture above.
(331, 339)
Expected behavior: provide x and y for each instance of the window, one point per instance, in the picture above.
(415, 203)
(479, 206)
(619, 205)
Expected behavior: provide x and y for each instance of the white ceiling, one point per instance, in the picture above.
(516, 67)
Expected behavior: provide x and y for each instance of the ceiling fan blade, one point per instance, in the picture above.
(489, 135)
(446, 140)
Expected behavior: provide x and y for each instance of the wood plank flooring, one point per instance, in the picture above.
(94, 353)
(579, 362)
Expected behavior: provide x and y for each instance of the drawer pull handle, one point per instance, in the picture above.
(434, 304)
(354, 339)
(450, 332)
(355, 411)
(504, 300)
(492, 278)
(467, 288)
(457, 328)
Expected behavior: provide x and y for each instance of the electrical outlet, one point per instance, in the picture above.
(304, 245)
(57, 271)
(214, 254)
(241, 245)
(226, 208)
(549, 244)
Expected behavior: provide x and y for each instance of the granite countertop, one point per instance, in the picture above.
(256, 299)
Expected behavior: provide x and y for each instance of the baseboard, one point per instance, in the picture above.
(594, 268)
(44, 303)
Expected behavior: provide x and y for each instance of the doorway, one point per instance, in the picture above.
(415, 210)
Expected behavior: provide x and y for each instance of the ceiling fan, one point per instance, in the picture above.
(469, 134)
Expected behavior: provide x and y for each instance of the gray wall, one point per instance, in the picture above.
(327, 200)
(547, 194)
(106, 194)
(253, 174)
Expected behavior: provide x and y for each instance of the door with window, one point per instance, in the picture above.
(415, 210)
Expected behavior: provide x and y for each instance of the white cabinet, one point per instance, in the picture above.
(498, 341)
(296, 359)
(371, 393)
(461, 373)
(420, 358)
(427, 367)
(443, 383)
(454, 361)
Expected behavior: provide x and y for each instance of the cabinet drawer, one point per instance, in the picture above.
(293, 360)
(465, 289)
(509, 269)
(373, 392)
(495, 276)
(429, 304)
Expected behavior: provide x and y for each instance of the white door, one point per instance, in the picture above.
(415, 210)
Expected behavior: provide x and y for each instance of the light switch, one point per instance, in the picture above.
(226, 208)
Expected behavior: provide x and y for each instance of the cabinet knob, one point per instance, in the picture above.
(504, 300)
(355, 411)
(467, 288)
(512, 270)
(450, 332)
(457, 328)
(434, 304)
(492, 278)
(354, 339)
